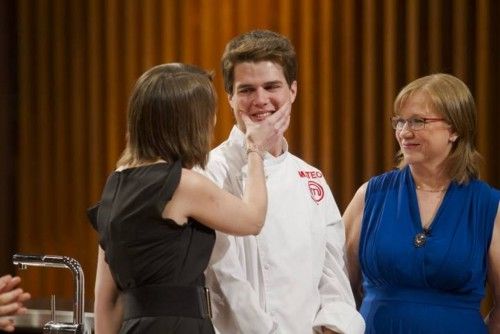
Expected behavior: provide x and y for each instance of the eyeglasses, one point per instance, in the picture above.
(415, 123)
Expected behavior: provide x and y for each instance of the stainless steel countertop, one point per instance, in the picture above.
(37, 318)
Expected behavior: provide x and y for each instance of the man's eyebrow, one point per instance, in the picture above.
(274, 82)
(267, 83)
(243, 85)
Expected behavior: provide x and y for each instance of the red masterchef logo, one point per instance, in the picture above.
(310, 174)
(316, 190)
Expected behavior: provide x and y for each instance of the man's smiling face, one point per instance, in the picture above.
(260, 89)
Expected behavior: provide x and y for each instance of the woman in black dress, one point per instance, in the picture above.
(157, 216)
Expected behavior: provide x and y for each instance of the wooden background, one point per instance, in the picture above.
(67, 68)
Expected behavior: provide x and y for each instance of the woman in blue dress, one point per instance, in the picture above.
(423, 239)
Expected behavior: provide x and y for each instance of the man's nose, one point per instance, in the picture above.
(261, 97)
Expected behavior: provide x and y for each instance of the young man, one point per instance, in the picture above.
(291, 278)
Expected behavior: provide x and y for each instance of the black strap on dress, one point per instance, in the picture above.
(167, 300)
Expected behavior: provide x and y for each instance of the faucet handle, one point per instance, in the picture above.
(53, 327)
(53, 308)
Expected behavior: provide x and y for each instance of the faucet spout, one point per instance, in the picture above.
(56, 261)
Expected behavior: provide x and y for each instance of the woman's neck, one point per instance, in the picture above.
(431, 180)
(139, 163)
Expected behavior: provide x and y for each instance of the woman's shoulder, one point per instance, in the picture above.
(388, 175)
(485, 200)
(388, 179)
(193, 179)
(483, 189)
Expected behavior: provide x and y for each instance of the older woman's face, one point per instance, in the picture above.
(429, 145)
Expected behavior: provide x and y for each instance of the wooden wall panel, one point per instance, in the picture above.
(485, 79)
(78, 60)
(369, 94)
(8, 133)
(389, 86)
(307, 52)
(348, 127)
(323, 85)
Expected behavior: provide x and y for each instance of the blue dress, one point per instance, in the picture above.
(434, 288)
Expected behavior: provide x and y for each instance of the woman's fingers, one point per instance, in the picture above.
(7, 324)
(12, 309)
(24, 297)
(7, 283)
(11, 301)
(3, 282)
(10, 296)
(269, 131)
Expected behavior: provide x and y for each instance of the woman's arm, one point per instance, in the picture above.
(199, 198)
(108, 309)
(352, 219)
(494, 277)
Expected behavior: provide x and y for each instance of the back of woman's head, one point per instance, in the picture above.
(452, 100)
(171, 115)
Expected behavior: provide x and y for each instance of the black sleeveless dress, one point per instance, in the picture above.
(157, 264)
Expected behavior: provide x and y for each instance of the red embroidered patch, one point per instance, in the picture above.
(310, 174)
(317, 192)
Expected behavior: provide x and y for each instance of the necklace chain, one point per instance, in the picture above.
(421, 237)
(437, 190)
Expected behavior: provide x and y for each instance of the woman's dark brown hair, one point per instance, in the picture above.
(171, 116)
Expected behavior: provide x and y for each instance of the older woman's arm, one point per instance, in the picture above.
(494, 277)
(352, 219)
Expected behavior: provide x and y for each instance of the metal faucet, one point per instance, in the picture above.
(56, 261)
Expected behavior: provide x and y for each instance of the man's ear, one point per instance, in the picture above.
(230, 100)
(293, 91)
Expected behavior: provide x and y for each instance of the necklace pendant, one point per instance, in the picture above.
(420, 239)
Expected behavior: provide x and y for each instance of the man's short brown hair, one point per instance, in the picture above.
(255, 46)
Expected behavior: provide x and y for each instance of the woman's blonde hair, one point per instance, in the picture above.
(171, 116)
(451, 99)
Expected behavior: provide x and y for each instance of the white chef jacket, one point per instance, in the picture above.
(291, 278)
